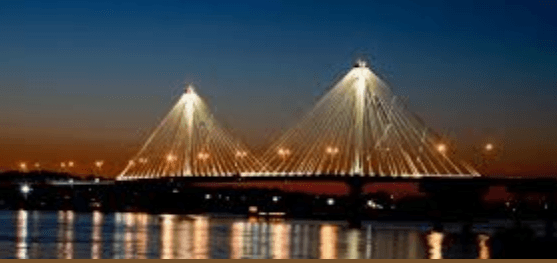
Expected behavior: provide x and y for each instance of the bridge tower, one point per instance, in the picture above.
(189, 142)
(189, 110)
(360, 128)
(359, 121)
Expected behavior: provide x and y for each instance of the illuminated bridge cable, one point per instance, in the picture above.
(360, 128)
(189, 142)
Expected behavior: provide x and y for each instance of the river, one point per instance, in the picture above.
(68, 234)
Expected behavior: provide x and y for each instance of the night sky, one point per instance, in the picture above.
(88, 81)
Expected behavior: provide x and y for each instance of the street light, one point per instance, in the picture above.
(25, 189)
(283, 152)
(241, 154)
(23, 167)
(442, 148)
(203, 156)
(99, 165)
(489, 147)
(331, 150)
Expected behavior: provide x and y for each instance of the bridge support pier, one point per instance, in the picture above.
(354, 205)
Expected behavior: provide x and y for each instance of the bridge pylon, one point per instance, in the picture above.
(361, 128)
(189, 142)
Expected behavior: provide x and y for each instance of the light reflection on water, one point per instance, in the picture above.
(65, 234)
(21, 243)
(483, 248)
(69, 234)
(435, 243)
(96, 235)
(328, 241)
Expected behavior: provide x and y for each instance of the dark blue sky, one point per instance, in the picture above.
(102, 73)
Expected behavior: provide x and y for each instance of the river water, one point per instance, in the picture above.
(68, 234)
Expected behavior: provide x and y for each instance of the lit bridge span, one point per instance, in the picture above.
(79, 183)
(359, 128)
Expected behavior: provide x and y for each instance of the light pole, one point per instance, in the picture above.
(239, 155)
(71, 165)
(486, 154)
(203, 156)
(98, 165)
(62, 167)
(23, 167)
(331, 151)
(283, 153)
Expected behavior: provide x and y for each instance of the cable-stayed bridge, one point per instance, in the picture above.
(359, 132)
(359, 128)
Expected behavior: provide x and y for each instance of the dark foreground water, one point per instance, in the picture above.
(67, 234)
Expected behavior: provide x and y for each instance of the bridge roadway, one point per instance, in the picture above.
(356, 183)
(513, 184)
(76, 183)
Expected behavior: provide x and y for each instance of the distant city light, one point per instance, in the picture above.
(330, 201)
(99, 164)
(25, 189)
(70, 164)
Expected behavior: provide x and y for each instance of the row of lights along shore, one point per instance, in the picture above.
(63, 166)
(282, 152)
